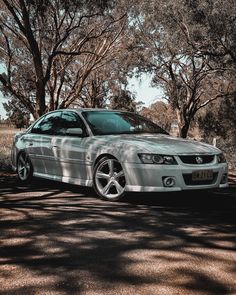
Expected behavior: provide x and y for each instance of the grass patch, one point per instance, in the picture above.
(6, 139)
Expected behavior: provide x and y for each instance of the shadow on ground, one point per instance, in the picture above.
(61, 239)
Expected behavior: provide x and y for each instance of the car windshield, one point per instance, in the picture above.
(107, 122)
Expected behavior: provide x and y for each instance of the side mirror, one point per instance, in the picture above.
(74, 131)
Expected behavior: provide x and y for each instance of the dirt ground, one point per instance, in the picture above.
(61, 239)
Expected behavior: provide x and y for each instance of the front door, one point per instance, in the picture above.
(41, 144)
(70, 149)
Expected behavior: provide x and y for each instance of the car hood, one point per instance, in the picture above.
(164, 144)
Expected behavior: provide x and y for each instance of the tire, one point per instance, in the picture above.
(109, 179)
(24, 168)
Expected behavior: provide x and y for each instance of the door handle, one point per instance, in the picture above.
(31, 143)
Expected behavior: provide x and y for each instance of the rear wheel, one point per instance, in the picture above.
(24, 168)
(109, 179)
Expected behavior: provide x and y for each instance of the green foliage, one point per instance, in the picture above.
(124, 100)
(188, 46)
(48, 49)
(17, 113)
(220, 120)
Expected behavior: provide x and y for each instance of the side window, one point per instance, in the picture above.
(72, 120)
(36, 127)
(50, 124)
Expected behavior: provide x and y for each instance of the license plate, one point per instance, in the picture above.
(202, 175)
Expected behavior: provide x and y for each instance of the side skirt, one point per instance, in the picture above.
(82, 182)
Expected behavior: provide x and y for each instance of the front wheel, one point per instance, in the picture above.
(109, 179)
(24, 168)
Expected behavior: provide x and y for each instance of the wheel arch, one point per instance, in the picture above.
(102, 156)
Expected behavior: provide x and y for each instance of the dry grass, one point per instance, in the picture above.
(6, 139)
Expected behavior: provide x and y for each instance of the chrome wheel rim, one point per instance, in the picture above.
(23, 167)
(110, 179)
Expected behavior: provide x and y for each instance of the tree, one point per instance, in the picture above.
(160, 113)
(220, 120)
(190, 79)
(49, 48)
(124, 100)
(189, 85)
(95, 91)
(210, 30)
(107, 85)
(102, 89)
(16, 113)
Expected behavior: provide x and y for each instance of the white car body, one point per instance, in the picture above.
(72, 159)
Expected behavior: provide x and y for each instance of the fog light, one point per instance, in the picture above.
(224, 178)
(168, 181)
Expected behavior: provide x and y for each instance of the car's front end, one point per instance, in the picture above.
(178, 172)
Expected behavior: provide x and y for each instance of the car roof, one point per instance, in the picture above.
(80, 110)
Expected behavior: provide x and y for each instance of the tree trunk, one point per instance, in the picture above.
(183, 130)
(183, 124)
(40, 98)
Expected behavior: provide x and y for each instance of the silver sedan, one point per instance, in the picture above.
(115, 152)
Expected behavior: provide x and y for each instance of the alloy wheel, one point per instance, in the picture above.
(109, 179)
(24, 167)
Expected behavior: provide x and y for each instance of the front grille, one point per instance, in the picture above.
(192, 159)
(188, 180)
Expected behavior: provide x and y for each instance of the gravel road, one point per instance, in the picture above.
(61, 239)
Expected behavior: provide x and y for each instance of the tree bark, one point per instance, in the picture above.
(183, 124)
(183, 130)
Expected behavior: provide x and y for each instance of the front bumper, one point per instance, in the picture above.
(149, 177)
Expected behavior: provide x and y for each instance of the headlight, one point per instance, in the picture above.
(157, 159)
(221, 158)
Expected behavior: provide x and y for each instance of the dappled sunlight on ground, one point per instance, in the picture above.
(61, 239)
